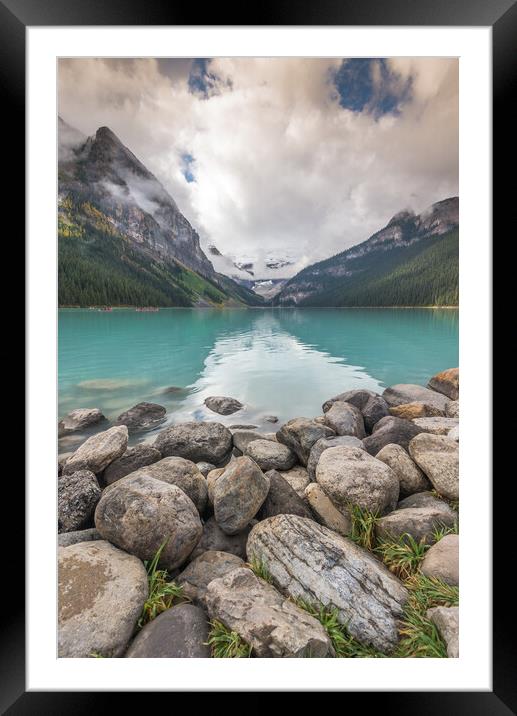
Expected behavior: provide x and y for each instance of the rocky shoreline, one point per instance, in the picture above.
(334, 536)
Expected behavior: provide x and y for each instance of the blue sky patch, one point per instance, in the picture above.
(187, 164)
(369, 85)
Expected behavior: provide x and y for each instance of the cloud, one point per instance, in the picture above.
(298, 156)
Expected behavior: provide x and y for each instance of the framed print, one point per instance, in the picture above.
(258, 256)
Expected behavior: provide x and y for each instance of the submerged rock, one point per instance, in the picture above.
(300, 434)
(101, 592)
(142, 416)
(79, 419)
(271, 624)
(223, 405)
(77, 496)
(310, 562)
(177, 633)
(96, 453)
(209, 442)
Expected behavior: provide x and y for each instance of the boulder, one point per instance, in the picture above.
(270, 455)
(139, 514)
(177, 633)
(209, 442)
(242, 438)
(388, 431)
(271, 624)
(238, 494)
(447, 382)
(452, 409)
(372, 406)
(310, 562)
(438, 457)
(419, 522)
(282, 499)
(101, 592)
(454, 433)
(436, 426)
(214, 539)
(211, 479)
(408, 393)
(325, 443)
(345, 419)
(409, 411)
(205, 467)
(410, 476)
(298, 478)
(65, 539)
(325, 512)
(61, 460)
(142, 416)
(350, 475)
(223, 405)
(442, 560)
(77, 496)
(447, 621)
(300, 434)
(210, 565)
(421, 499)
(79, 419)
(182, 473)
(133, 459)
(96, 453)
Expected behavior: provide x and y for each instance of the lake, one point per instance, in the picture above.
(283, 362)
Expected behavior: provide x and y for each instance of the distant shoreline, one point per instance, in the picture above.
(240, 308)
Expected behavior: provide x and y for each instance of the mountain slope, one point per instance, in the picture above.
(412, 261)
(122, 239)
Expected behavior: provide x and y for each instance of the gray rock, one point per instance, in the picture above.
(408, 393)
(454, 433)
(447, 382)
(270, 455)
(409, 411)
(223, 405)
(177, 633)
(298, 478)
(79, 419)
(271, 624)
(300, 434)
(447, 621)
(77, 496)
(101, 592)
(139, 514)
(438, 457)
(325, 512)
(242, 438)
(309, 561)
(270, 419)
(388, 431)
(142, 416)
(238, 494)
(372, 406)
(282, 499)
(205, 467)
(96, 453)
(410, 476)
(436, 426)
(208, 442)
(345, 419)
(182, 473)
(61, 460)
(210, 565)
(421, 499)
(442, 560)
(452, 409)
(419, 522)
(323, 444)
(65, 539)
(214, 539)
(350, 475)
(242, 426)
(133, 459)
(211, 479)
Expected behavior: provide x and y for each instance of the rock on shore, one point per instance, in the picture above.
(208, 442)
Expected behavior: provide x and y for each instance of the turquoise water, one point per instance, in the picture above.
(284, 362)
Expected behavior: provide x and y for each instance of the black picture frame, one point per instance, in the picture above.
(501, 15)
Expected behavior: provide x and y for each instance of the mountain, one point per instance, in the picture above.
(122, 238)
(412, 261)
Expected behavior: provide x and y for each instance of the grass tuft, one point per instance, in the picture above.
(403, 556)
(227, 644)
(443, 531)
(260, 569)
(363, 526)
(162, 593)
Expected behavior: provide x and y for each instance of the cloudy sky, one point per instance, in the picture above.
(297, 157)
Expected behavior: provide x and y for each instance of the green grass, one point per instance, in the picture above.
(363, 526)
(403, 556)
(96, 655)
(261, 570)
(443, 531)
(162, 593)
(227, 644)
